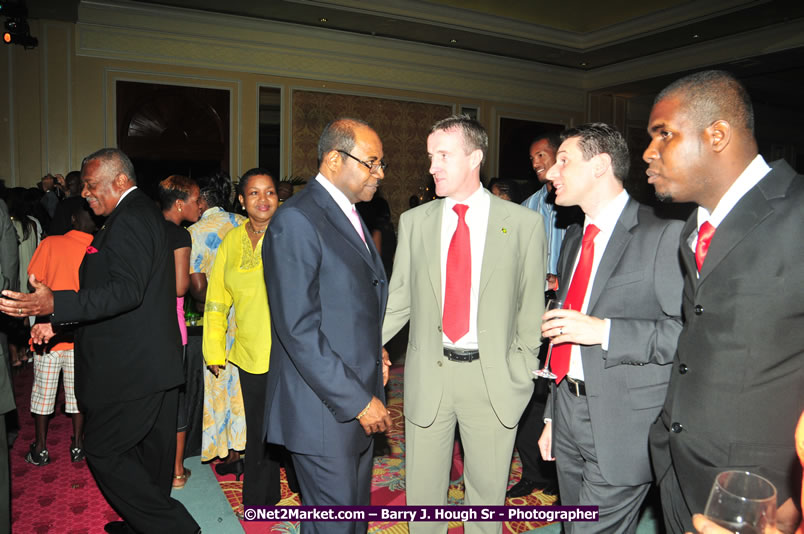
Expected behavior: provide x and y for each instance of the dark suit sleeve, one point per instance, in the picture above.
(9, 252)
(292, 257)
(652, 340)
(128, 252)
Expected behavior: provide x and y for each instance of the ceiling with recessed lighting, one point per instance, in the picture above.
(581, 34)
(584, 35)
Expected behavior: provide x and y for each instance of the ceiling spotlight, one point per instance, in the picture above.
(695, 36)
(16, 26)
(584, 64)
(323, 19)
(453, 41)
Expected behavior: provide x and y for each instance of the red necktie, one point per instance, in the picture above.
(705, 234)
(560, 358)
(459, 279)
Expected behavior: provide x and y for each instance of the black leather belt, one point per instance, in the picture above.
(461, 355)
(576, 387)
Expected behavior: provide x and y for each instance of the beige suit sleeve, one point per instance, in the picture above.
(397, 310)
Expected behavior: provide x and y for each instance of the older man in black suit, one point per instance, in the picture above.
(735, 393)
(126, 382)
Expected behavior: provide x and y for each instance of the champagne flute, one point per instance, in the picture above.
(742, 502)
(552, 304)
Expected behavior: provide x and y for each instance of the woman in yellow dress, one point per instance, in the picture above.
(237, 281)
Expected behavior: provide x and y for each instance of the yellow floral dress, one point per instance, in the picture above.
(224, 419)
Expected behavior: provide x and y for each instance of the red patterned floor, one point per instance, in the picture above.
(61, 497)
(388, 484)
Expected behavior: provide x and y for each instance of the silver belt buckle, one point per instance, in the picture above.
(574, 385)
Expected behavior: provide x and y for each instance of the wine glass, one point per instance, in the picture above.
(552, 304)
(742, 502)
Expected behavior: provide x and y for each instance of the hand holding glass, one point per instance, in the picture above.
(742, 502)
(552, 304)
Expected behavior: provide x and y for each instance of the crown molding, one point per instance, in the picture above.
(440, 15)
(175, 36)
(766, 40)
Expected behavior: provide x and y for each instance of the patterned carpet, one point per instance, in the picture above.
(61, 497)
(388, 484)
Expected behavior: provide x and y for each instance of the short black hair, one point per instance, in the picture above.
(712, 95)
(256, 171)
(339, 135)
(553, 139)
(599, 138)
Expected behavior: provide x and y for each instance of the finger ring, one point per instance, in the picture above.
(19, 311)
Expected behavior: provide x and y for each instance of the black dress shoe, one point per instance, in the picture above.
(551, 489)
(522, 488)
(231, 468)
(117, 527)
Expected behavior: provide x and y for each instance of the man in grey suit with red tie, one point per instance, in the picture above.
(327, 289)
(736, 389)
(620, 280)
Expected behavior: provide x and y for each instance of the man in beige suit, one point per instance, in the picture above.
(469, 275)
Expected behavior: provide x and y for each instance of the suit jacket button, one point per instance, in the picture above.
(375, 283)
(676, 428)
(439, 363)
(682, 369)
(378, 362)
(439, 328)
(698, 309)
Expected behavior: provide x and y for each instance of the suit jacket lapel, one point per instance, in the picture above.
(749, 212)
(430, 243)
(687, 256)
(571, 246)
(496, 242)
(620, 237)
(343, 225)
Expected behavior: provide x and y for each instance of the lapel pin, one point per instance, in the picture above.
(504, 230)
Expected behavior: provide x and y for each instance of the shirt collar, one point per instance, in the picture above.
(753, 173)
(473, 201)
(610, 214)
(336, 194)
(125, 194)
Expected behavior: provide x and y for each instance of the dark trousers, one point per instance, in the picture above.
(676, 513)
(5, 476)
(580, 478)
(131, 447)
(261, 485)
(530, 429)
(335, 481)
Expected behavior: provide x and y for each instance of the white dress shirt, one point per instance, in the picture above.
(605, 222)
(125, 194)
(339, 198)
(477, 219)
(750, 177)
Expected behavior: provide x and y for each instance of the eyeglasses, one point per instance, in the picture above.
(371, 166)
